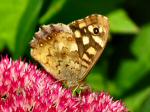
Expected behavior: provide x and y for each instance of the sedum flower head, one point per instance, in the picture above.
(24, 88)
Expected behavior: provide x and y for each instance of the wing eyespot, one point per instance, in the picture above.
(95, 30)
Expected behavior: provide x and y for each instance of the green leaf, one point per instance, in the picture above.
(129, 73)
(146, 106)
(121, 23)
(96, 80)
(27, 26)
(132, 71)
(135, 102)
(1, 44)
(141, 46)
(76, 9)
(11, 12)
(53, 9)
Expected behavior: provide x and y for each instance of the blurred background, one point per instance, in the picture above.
(124, 67)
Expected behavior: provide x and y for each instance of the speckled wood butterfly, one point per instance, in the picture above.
(70, 51)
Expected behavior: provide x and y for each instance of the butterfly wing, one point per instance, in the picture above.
(55, 48)
(91, 34)
(69, 52)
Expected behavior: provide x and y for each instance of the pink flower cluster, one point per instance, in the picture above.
(23, 88)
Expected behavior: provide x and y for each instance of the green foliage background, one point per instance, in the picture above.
(124, 68)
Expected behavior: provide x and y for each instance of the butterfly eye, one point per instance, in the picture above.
(96, 30)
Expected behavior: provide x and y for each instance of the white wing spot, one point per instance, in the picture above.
(85, 40)
(86, 57)
(77, 34)
(98, 40)
(84, 30)
(91, 51)
(100, 30)
(105, 17)
(84, 64)
(90, 28)
(82, 25)
(73, 47)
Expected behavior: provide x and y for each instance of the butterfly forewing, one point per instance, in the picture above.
(91, 34)
(69, 52)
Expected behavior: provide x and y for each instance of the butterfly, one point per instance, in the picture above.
(69, 52)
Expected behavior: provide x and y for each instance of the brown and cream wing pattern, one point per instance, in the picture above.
(69, 52)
